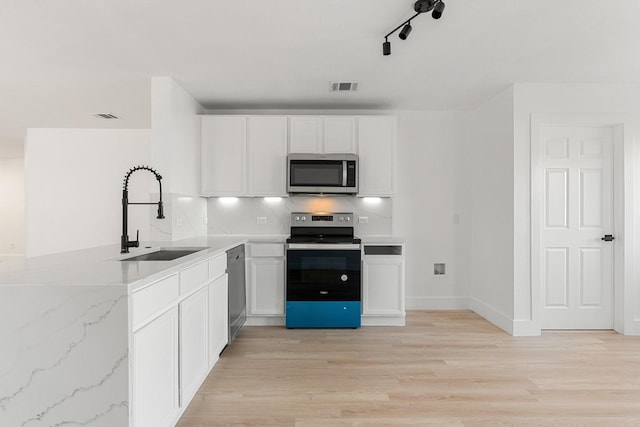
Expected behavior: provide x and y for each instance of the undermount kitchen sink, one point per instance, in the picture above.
(164, 254)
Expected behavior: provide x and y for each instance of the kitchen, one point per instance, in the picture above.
(456, 202)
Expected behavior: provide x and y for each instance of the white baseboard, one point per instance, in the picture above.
(265, 321)
(494, 316)
(437, 303)
(525, 328)
(373, 320)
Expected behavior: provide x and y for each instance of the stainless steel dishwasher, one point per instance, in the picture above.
(237, 290)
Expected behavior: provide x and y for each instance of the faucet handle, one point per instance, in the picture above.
(136, 243)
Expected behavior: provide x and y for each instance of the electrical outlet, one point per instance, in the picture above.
(179, 222)
(261, 220)
(363, 219)
(438, 269)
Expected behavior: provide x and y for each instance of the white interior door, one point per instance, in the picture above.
(577, 205)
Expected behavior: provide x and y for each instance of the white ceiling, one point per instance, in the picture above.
(64, 60)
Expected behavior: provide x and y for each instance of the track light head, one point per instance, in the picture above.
(406, 30)
(422, 6)
(437, 10)
(386, 47)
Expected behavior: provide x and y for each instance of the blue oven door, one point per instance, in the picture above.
(323, 286)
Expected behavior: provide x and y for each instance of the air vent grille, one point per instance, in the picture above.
(344, 86)
(105, 116)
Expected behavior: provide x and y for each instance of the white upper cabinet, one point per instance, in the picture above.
(244, 156)
(224, 141)
(267, 155)
(340, 135)
(305, 134)
(376, 155)
(314, 134)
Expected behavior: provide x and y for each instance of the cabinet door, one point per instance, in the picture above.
(194, 348)
(305, 134)
(218, 317)
(266, 286)
(340, 135)
(267, 153)
(376, 155)
(383, 285)
(223, 155)
(155, 371)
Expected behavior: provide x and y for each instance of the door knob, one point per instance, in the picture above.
(607, 237)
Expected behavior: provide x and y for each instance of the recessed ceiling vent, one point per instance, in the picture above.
(105, 116)
(344, 86)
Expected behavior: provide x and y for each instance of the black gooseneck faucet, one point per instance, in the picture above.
(125, 243)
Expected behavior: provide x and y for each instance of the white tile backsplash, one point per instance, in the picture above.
(184, 218)
(246, 215)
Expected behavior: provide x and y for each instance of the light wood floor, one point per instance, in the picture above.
(449, 368)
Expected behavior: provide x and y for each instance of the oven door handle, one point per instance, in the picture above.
(323, 246)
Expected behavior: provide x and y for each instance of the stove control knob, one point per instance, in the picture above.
(344, 277)
(348, 218)
(341, 218)
(304, 218)
(297, 218)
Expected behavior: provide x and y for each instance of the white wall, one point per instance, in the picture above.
(599, 103)
(175, 128)
(74, 187)
(426, 208)
(12, 225)
(176, 155)
(490, 144)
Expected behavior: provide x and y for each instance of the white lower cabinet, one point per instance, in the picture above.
(180, 325)
(265, 284)
(194, 348)
(383, 285)
(155, 372)
(218, 317)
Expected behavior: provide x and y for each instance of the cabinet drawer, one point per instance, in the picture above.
(217, 266)
(383, 249)
(257, 250)
(193, 277)
(154, 298)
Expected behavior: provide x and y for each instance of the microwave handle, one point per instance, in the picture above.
(344, 173)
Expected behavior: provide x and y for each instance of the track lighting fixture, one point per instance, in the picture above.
(422, 6)
(386, 47)
(405, 31)
(436, 7)
(437, 10)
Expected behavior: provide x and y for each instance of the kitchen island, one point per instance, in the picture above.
(87, 338)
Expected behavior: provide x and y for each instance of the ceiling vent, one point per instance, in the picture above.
(105, 116)
(344, 86)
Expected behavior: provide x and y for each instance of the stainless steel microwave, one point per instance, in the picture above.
(322, 173)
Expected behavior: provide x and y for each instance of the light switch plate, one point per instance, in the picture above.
(261, 220)
(363, 219)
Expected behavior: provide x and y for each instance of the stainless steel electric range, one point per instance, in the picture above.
(323, 272)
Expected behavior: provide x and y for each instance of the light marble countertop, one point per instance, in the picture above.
(102, 265)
